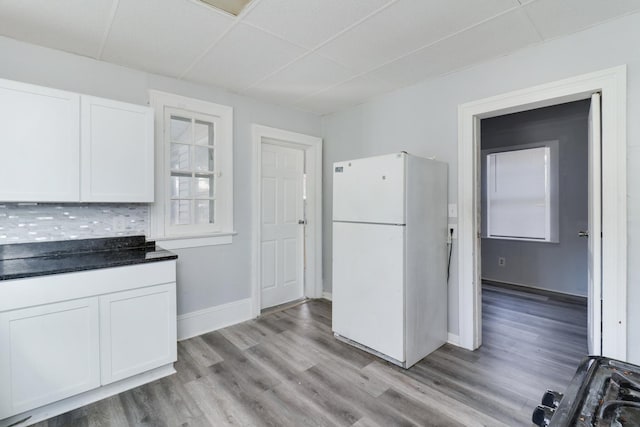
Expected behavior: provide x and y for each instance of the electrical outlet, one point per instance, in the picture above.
(502, 261)
(454, 234)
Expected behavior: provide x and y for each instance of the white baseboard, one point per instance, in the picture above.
(453, 339)
(213, 318)
(533, 287)
(327, 295)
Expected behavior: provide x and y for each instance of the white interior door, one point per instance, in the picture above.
(595, 229)
(282, 237)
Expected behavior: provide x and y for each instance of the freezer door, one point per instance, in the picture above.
(368, 286)
(370, 190)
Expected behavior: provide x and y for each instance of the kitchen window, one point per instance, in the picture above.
(194, 177)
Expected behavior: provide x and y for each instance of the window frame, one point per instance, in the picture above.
(553, 176)
(165, 105)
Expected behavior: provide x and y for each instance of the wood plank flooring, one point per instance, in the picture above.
(286, 369)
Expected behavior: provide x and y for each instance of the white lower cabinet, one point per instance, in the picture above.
(66, 335)
(48, 353)
(137, 331)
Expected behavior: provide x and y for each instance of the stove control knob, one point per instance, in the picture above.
(542, 416)
(552, 398)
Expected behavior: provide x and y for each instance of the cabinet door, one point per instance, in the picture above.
(48, 353)
(137, 330)
(117, 151)
(40, 144)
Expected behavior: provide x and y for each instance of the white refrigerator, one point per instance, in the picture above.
(390, 255)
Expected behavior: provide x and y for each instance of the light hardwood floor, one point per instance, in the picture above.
(286, 369)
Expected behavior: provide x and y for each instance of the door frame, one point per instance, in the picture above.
(612, 83)
(312, 147)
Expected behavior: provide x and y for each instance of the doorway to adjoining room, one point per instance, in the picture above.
(534, 223)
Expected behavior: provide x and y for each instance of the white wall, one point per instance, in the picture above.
(422, 119)
(208, 276)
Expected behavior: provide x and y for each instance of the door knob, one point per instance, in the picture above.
(583, 234)
(302, 221)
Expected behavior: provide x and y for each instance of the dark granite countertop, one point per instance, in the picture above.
(22, 260)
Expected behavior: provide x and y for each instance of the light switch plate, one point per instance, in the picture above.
(453, 210)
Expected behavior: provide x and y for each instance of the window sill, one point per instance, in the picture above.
(521, 239)
(186, 242)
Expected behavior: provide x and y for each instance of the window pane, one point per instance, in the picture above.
(191, 196)
(204, 133)
(204, 212)
(181, 129)
(180, 186)
(204, 186)
(180, 212)
(203, 158)
(180, 157)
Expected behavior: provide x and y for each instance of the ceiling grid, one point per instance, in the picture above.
(315, 55)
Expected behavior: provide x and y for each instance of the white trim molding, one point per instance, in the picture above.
(213, 318)
(195, 242)
(612, 83)
(312, 147)
(453, 339)
(221, 116)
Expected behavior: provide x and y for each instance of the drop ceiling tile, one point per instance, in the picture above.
(406, 26)
(310, 22)
(555, 18)
(244, 56)
(303, 78)
(493, 38)
(350, 93)
(164, 37)
(74, 26)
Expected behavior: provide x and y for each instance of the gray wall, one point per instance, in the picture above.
(423, 119)
(562, 266)
(207, 276)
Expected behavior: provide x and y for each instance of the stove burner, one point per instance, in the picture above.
(621, 401)
(604, 392)
(624, 381)
(613, 405)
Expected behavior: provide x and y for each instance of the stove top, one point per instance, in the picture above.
(603, 392)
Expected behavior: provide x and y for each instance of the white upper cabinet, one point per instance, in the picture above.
(60, 146)
(40, 146)
(117, 151)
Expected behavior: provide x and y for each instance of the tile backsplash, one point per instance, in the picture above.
(35, 222)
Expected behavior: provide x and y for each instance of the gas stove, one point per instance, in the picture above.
(603, 392)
